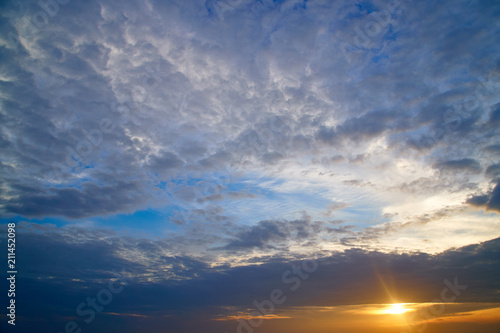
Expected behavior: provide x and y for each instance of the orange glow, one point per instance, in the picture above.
(375, 318)
(397, 308)
(482, 316)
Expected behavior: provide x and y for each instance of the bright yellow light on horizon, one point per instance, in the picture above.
(396, 308)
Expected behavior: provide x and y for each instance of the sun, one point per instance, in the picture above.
(396, 308)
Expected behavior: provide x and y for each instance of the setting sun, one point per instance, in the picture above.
(397, 308)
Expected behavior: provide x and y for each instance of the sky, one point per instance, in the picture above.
(251, 165)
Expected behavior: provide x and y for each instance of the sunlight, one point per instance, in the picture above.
(397, 308)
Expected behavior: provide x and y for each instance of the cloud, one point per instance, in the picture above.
(269, 234)
(168, 287)
(493, 170)
(165, 161)
(336, 206)
(85, 200)
(356, 182)
(494, 203)
(495, 149)
(240, 195)
(465, 164)
(495, 114)
(185, 99)
(490, 201)
(479, 200)
(361, 158)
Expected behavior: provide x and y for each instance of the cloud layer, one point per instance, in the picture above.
(162, 289)
(95, 115)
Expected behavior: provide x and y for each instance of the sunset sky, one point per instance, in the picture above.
(251, 165)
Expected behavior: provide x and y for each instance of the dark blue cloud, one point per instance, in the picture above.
(490, 201)
(267, 234)
(465, 164)
(60, 269)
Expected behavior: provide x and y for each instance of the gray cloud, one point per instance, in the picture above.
(495, 149)
(495, 114)
(465, 164)
(272, 234)
(493, 170)
(490, 201)
(359, 159)
(494, 202)
(88, 200)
